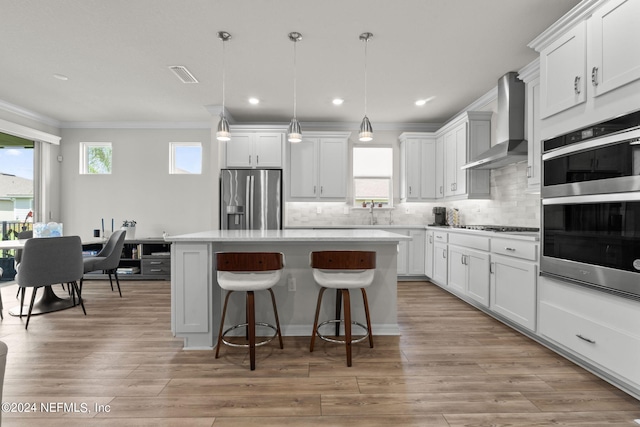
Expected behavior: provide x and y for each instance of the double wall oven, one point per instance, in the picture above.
(591, 206)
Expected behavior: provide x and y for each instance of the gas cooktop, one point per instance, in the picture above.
(501, 228)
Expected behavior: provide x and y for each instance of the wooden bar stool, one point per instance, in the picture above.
(249, 272)
(343, 270)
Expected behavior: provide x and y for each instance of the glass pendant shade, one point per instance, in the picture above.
(223, 133)
(366, 131)
(294, 132)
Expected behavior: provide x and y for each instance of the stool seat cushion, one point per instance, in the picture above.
(343, 279)
(248, 281)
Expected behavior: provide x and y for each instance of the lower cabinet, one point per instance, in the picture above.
(468, 267)
(144, 259)
(428, 259)
(513, 281)
(600, 328)
(440, 262)
(411, 253)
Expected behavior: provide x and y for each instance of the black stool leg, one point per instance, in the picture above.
(315, 321)
(347, 323)
(33, 299)
(275, 312)
(251, 320)
(224, 313)
(366, 312)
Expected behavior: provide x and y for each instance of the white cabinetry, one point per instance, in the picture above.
(513, 280)
(318, 167)
(411, 253)
(417, 166)
(439, 168)
(254, 150)
(588, 55)
(599, 328)
(469, 266)
(464, 138)
(530, 75)
(440, 254)
(428, 259)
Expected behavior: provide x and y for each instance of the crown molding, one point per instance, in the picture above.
(28, 114)
(530, 71)
(135, 125)
(578, 14)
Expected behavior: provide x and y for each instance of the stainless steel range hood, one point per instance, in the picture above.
(511, 146)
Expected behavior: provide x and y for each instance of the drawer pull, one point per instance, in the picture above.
(156, 263)
(510, 249)
(585, 339)
(156, 270)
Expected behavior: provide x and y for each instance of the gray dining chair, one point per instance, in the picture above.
(107, 259)
(49, 261)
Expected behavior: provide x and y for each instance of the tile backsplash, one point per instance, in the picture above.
(509, 205)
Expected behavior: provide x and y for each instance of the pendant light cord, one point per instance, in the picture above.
(294, 79)
(223, 74)
(366, 42)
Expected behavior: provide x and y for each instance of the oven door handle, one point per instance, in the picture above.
(614, 138)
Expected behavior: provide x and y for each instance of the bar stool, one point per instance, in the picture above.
(343, 270)
(249, 272)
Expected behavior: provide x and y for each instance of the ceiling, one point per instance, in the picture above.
(116, 55)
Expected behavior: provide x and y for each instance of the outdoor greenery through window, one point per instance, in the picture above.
(95, 158)
(185, 158)
(373, 175)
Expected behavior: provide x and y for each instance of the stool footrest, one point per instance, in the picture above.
(334, 340)
(244, 325)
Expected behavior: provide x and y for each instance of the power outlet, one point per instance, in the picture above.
(318, 209)
(291, 284)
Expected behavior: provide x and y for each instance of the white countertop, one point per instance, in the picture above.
(514, 235)
(360, 227)
(289, 235)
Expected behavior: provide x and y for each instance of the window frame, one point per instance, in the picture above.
(173, 169)
(84, 157)
(354, 177)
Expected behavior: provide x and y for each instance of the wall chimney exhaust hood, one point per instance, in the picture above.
(511, 146)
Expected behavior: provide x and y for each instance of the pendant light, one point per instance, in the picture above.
(294, 132)
(223, 133)
(366, 131)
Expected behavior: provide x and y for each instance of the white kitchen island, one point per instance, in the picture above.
(196, 298)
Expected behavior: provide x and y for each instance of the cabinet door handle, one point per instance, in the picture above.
(444, 254)
(441, 187)
(430, 239)
(576, 85)
(491, 267)
(409, 190)
(510, 249)
(321, 189)
(314, 189)
(585, 339)
(439, 237)
(249, 158)
(594, 76)
(528, 171)
(257, 159)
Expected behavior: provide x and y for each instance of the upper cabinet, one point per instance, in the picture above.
(592, 51)
(254, 150)
(464, 139)
(318, 167)
(431, 163)
(417, 166)
(562, 66)
(530, 75)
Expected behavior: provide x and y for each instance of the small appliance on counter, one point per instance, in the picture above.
(440, 216)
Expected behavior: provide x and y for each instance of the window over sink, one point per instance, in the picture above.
(373, 175)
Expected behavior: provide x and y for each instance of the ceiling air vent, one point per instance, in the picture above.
(183, 74)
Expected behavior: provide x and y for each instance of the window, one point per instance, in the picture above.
(185, 158)
(373, 175)
(95, 158)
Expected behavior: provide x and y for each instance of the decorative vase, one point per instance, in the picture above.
(130, 232)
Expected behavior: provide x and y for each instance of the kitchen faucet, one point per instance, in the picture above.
(374, 220)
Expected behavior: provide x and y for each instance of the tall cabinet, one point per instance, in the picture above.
(418, 166)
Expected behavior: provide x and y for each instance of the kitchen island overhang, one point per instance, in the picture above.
(196, 298)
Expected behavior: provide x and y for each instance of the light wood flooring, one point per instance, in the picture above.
(452, 366)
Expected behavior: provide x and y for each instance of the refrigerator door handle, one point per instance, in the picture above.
(247, 204)
(252, 200)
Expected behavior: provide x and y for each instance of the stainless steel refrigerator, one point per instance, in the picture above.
(250, 199)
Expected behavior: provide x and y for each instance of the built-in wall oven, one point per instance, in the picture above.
(591, 206)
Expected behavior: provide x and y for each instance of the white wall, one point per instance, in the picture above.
(140, 187)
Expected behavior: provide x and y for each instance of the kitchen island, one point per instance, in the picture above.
(196, 298)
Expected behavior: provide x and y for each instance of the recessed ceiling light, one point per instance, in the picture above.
(421, 102)
(61, 77)
(254, 101)
(337, 101)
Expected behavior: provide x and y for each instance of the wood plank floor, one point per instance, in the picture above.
(452, 366)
